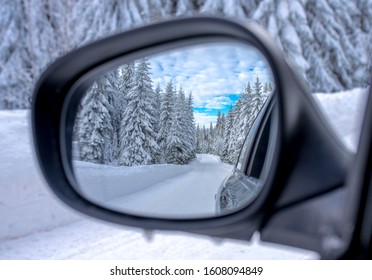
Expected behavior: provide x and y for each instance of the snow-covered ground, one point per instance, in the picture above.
(95, 240)
(34, 225)
(25, 202)
(344, 111)
(162, 190)
(121, 180)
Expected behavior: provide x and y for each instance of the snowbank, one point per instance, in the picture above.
(89, 240)
(344, 111)
(25, 203)
(161, 190)
(109, 182)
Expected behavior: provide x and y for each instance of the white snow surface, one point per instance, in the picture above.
(89, 239)
(122, 180)
(162, 190)
(34, 225)
(25, 202)
(344, 112)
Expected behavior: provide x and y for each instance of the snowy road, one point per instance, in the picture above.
(188, 195)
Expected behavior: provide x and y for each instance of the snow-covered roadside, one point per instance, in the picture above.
(160, 190)
(26, 205)
(189, 195)
(94, 240)
(121, 180)
(344, 111)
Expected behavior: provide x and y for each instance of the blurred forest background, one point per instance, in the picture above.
(326, 40)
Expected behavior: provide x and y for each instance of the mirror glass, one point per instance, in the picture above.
(162, 136)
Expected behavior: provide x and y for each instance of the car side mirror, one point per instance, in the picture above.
(103, 137)
(156, 136)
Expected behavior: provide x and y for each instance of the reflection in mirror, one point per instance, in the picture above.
(161, 136)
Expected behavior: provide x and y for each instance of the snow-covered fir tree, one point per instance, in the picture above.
(257, 97)
(237, 134)
(166, 114)
(197, 139)
(125, 75)
(109, 86)
(175, 149)
(266, 88)
(156, 103)
(180, 143)
(217, 140)
(227, 135)
(244, 117)
(138, 135)
(206, 141)
(94, 128)
(190, 130)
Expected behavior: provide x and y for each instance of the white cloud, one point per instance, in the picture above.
(218, 102)
(210, 70)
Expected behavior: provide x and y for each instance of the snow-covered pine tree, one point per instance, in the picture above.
(181, 107)
(137, 134)
(126, 79)
(217, 141)
(248, 108)
(227, 135)
(266, 88)
(238, 128)
(338, 35)
(221, 133)
(175, 149)
(244, 120)
(271, 87)
(190, 134)
(205, 143)
(15, 84)
(180, 147)
(257, 98)
(201, 140)
(166, 113)
(198, 139)
(157, 104)
(125, 75)
(94, 128)
(109, 86)
(157, 156)
(27, 46)
(210, 139)
(321, 38)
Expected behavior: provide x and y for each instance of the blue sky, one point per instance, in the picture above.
(208, 113)
(215, 73)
